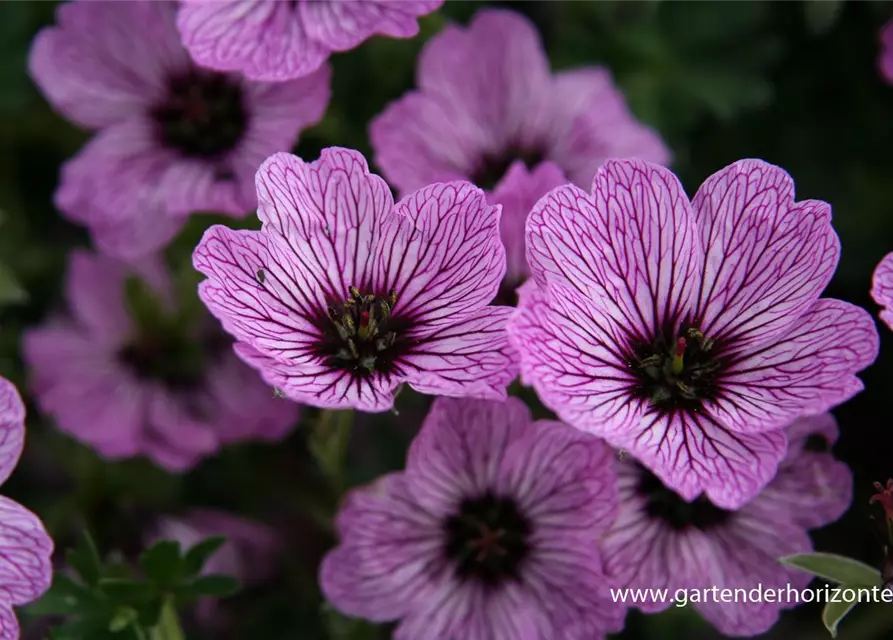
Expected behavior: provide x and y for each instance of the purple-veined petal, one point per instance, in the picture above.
(693, 454)
(517, 193)
(265, 40)
(12, 428)
(9, 624)
(461, 448)
(330, 211)
(440, 251)
(767, 257)
(882, 285)
(569, 354)
(25, 550)
(632, 244)
(807, 371)
(471, 357)
(384, 563)
(343, 25)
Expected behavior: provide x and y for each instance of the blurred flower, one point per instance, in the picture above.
(487, 100)
(26, 569)
(173, 139)
(885, 60)
(689, 334)
(276, 41)
(249, 553)
(882, 288)
(488, 533)
(342, 295)
(662, 541)
(156, 383)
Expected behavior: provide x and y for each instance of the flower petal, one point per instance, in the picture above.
(9, 624)
(264, 40)
(12, 428)
(568, 351)
(469, 358)
(807, 371)
(589, 123)
(92, 69)
(330, 212)
(632, 243)
(95, 293)
(517, 192)
(440, 251)
(692, 454)
(386, 559)
(882, 284)
(461, 448)
(340, 26)
(25, 551)
(489, 76)
(768, 258)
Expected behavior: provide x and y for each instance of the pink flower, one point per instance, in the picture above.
(26, 570)
(276, 41)
(885, 60)
(342, 295)
(172, 139)
(686, 333)
(882, 288)
(662, 541)
(166, 386)
(488, 533)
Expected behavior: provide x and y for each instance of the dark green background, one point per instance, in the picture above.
(794, 83)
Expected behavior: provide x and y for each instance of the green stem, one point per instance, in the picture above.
(329, 442)
(168, 627)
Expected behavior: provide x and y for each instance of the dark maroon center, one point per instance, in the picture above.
(203, 114)
(669, 507)
(491, 169)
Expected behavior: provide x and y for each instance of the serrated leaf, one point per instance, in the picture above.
(162, 562)
(199, 554)
(840, 569)
(84, 559)
(821, 15)
(833, 613)
(217, 586)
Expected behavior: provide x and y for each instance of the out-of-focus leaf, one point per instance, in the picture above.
(833, 613)
(11, 292)
(127, 590)
(162, 562)
(821, 15)
(199, 554)
(125, 617)
(84, 559)
(840, 569)
(217, 586)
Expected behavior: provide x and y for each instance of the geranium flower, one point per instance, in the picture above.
(882, 288)
(686, 333)
(342, 295)
(131, 379)
(488, 534)
(489, 110)
(172, 139)
(663, 541)
(885, 59)
(278, 41)
(26, 569)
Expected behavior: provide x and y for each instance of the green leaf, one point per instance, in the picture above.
(840, 569)
(125, 590)
(833, 613)
(11, 292)
(125, 617)
(84, 559)
(199, 554)
(217, 586)
(821, 15)
(162, 563)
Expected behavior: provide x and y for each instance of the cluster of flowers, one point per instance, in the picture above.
(682, 343)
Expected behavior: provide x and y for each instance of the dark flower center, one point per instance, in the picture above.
(175, 360)
(666, 505)
(203, 115)
(362, 335)
(491, 169)
(488, 539)
(677, 375)
(816, 444)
